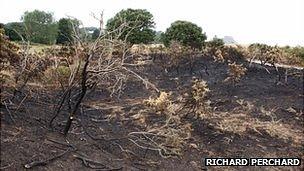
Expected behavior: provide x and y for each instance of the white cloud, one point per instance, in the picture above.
(267, 21)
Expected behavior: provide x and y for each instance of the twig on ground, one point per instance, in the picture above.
(20, 104)
(9, 113)
(86, 162)
(5, 167)
(45, 162)
(127, 151)
(62, 143)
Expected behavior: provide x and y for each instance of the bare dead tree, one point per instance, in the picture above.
(105, 61)
(100, 20)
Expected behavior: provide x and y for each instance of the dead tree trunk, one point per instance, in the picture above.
(84, 74)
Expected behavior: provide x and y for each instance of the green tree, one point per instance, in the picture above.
(66, 30)
(159, 37)
(215, 42)
(40, 26)
(15, 31)
(187, 33)
(140, 25)
(95, 34)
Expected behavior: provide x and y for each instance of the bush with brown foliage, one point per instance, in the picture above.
(196, 99)
(179, 56)
(225, 53)
(9, 61)
(265, 53)
(9, 58)
(235, 72)
(171, 131)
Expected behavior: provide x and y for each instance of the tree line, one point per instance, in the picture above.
(40, 27)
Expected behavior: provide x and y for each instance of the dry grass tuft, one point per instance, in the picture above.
(159, 104)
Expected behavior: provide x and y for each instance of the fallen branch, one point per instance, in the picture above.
(45, 162)
(9, 113)
(62, 143)
(5, 167)
(86, 162)
(20, 104)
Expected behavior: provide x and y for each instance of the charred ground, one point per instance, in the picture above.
(96, 141)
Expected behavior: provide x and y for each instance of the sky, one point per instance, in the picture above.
(272, 22)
